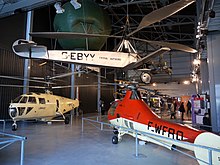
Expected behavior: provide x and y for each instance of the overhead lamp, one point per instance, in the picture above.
(75, 4)
(59, 9)
(186, 82)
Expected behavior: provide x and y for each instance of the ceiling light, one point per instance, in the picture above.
(58, 8)
(186, 82)
(75, 4)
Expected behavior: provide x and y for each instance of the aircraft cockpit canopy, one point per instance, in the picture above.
(113, 107)
(25, 99)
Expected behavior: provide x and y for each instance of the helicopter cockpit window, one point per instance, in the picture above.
(17, 99)
(113, 107)
(42, 101)
(134, 96)
(24, 99)
(32, 100)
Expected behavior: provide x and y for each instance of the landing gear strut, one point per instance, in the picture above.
(66, 120)
(14, 126)
(117, 137)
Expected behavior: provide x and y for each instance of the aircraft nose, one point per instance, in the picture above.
(13, 112)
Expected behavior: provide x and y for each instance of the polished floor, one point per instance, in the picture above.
(59, 144)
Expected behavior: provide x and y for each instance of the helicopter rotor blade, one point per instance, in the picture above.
(69, 35)
(170, 45)
(20, 86)
(22, 79)
(66, 74)
(162, 13)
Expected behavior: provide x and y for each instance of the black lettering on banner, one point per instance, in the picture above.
(86, 55)
(92, 55)
(149, 124)
(171, 131)
(79, 56)
(157, 128)
(72, 56)
(103, 58)
(164, 127)
(65, 55)
(179, 134)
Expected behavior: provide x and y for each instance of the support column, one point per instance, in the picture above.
(27, 62)
(213, 40)
(99, 92)
(72, 90)
(204, 77)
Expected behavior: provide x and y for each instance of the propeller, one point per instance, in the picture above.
(151, 18)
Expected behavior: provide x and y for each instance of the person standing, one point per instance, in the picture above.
(189, 106)
(173, 110)
(182, 110)
(102, 106)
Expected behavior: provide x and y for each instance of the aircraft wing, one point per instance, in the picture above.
(147, 58)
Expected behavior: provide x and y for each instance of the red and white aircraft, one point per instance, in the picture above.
(133, 113)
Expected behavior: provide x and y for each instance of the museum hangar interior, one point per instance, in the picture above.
(193, 75)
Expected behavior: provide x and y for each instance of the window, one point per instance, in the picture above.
(16, 100)
(112, 108)
(21, 110)
(42, 101)
(24, 99)
(29, 109)
(131, 125)
(126, 123)
(32, 100)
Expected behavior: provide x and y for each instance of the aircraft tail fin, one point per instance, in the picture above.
(24, 48)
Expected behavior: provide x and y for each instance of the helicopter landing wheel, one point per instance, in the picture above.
(14, 127)
(115, 140)
(67, 120)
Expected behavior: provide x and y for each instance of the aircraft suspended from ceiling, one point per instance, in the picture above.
(124, 60)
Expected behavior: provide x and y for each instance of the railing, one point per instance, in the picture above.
(8, 139)
(96, 119)
(3, 127)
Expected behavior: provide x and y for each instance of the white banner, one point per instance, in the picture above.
(97, 58)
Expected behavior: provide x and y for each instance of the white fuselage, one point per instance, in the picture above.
(94, 58)
(151, 134)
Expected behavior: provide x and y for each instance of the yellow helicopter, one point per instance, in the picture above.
(39, 106)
